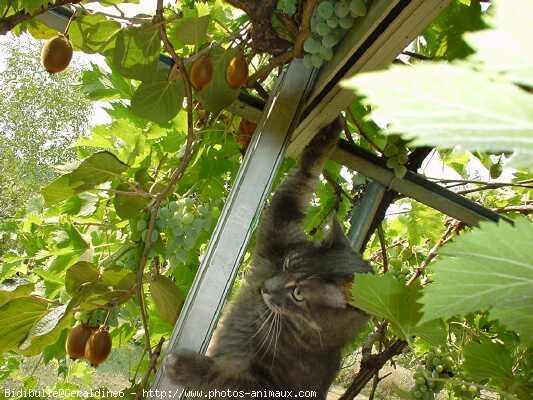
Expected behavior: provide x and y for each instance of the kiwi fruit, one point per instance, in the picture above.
(246, 130)
(237, 71)
(76, 340)
(56, 53)
(98, 346)
(202, 72)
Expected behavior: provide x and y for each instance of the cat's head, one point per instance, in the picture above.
(311, 291)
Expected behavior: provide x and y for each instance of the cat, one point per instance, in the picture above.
(290, 320)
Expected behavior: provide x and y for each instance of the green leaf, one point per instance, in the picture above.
(30, 6)
(45, 331)
(462, 107)
(119, 277)
(189, 30)
(94, 34)
(490, 268)
(386, 297)
(128, 206)
(137, 51)
(218, 94)
(158, 100)
(94, 170)
(508, 47)
(80, 273)
(15, 288)
(444, 37)
(488, 360)
(99, 85)
(167, 298)
(18, 316)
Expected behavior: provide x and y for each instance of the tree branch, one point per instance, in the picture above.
(370, 367)
(8, 23)
(297, 50)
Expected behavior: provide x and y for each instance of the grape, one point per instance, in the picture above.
(322, 28)
(333, 22)
(342, 9)
(392, 162)
(316, 60)
(472, 389)
(164, 213)
(346, 22)
(155, 235)
(390, 150)
(402, 158)
(312, 45)
(325, 9)
(173, 206)
(326, 53)
(400, 171)
(357, 8)
(330, 40)
(307, 61)
(187, 218)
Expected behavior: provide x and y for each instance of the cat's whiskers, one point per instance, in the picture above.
(267, 337)
(264, 322)
(278, 333)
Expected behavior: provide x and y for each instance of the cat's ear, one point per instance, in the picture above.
(335, 236)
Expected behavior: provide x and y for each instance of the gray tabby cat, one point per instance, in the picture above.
(289, 322)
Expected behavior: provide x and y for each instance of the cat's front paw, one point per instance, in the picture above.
(187, 368)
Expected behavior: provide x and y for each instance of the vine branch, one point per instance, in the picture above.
(8, 23)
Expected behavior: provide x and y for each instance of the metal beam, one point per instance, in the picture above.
(363, 216)
(227, 246)
(246, 105)
(413, 185)
(372, 44)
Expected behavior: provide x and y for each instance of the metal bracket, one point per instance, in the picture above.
(227, 246)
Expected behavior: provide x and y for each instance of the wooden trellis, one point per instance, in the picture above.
(301, 103)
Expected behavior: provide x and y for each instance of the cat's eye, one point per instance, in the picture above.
(297, 294)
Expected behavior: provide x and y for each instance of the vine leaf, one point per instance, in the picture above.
(12, 290)
(137, 51)
(94, 34)
(18, 316)
(507, 49)
(80, 273)
(488, 360)
(490, 268)
(189, 30)
(386, 297)
(462, 107)
(46, 330)
(94, 170)
(158, 100)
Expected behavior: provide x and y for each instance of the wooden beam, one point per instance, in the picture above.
(373, 44)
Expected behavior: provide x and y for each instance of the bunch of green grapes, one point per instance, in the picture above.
(329, 23)
(182, 222)
(437, 364)
(466, 392)
(397, 155)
